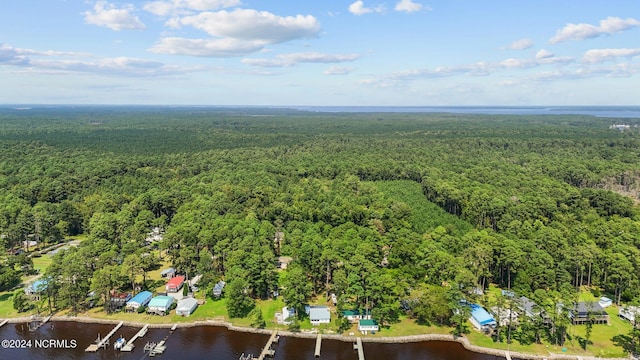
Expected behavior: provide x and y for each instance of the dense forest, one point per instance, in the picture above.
(374, 207)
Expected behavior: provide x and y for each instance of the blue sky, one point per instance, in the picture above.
(284, 52)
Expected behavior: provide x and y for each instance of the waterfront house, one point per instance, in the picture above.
(141, 299)
(118, 300)
(584, 312)
(186, 306)
(366, 325)
(36, 288)
(175, 283)
(319, 315)
(285, 317)
(481, 319)
(160, 305)
(505, 315)
(217, 289)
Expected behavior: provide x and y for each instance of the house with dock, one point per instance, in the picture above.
(367, 325)
(354, 315)
(36, 288)
(141, 299)
(319, 315)
(186, 306)
(160, 305)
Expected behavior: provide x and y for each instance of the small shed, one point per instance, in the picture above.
(217, 289)
(175, 283)
(168, 273)
(141, 299)
(319, 315)
(160, 305)
(367, 325)
(481, 319)
(186, 306)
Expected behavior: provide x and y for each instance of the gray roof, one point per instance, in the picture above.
(187, 304)
(319, 313)
(527, 305)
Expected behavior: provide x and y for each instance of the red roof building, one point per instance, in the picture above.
(175, 283)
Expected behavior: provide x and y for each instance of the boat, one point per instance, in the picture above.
(118, 344)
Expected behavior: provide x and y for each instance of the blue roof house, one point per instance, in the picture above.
(160, 305)
(141, 299)
(480, 318)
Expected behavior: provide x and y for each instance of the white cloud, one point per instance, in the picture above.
(600, 55)
(252, 25)
(57, 62)
(544, 54)
(408, 6)
(107, 15)
(226, 47)
(608, 26)
(284, 60)
(184, 7)
(358, 8)
(338, 70)
(521, 44)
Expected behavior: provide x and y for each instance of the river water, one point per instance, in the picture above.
(68, 340)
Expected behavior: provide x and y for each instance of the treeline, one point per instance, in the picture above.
(520, 201)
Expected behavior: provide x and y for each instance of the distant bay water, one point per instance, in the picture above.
(598, 111)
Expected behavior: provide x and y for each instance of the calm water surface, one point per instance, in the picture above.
(214, 343)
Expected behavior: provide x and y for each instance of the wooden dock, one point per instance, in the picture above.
(101, 343)
(507, 355)
(129, 346)
(268, 351)
(318, 344)
(4, 322)
(358, 346)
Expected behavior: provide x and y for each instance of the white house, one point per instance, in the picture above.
(605, 302)
(365, 326)
(141, 299)
(284, 317)
(186, 306)
(319, 315)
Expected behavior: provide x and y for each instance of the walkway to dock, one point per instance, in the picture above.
(268, 351)
(507, 355)
(318, 344)
(95, 347)
(129, 346)
(4, 322)
(358, 346)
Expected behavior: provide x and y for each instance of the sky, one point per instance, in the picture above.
(320, 52)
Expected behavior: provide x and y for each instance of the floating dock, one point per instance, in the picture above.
(101, 343)
(129, 346)
(318, 344)
(358, 346)
(268, 351)
(159, 348)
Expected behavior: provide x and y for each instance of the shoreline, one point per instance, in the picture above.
(345, 338)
